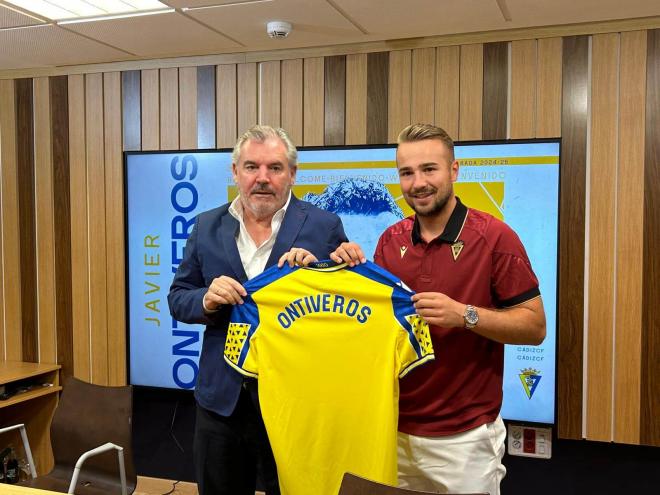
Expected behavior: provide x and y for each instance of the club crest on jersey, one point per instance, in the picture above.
(530, 378)
(456, 249)
(403, 250)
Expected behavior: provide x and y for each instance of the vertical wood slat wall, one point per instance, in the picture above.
(601, 231)
(61, 207)
(650, 359)
(26, 215)
(574, 69)
(44, 222)
(629, 223)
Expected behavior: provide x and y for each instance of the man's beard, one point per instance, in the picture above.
(260, 209)
(436, 207)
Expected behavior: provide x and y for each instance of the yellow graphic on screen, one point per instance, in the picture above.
(486, 196)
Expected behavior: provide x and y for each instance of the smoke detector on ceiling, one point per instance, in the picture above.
(278, 29)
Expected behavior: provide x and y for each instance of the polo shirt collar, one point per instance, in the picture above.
(452, 230)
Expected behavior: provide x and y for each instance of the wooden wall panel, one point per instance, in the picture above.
(79, 219)
(269, 93)
(495, 91)
(150, 98)
(650, 397)
(225, 80)
(423, 86)
(398, 93)
(461, 88)
(246, 80)
(447, 84)
(602, 183)
(114, 224)
(335, 100)
(471, 92)
(3, 121)
(206, 107)
(188, 108)
(130, 82)
(11, 273)
(313, 94)
(575, 74)
(292, 99)
(629, 251)
(44, 223)
(26, 214)
(549, 88)
(169, 109)
(378, 70)
(96, 228)
(522, 107)
(356, 98)
(59, 111)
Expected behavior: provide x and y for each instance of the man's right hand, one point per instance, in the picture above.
(222, 291)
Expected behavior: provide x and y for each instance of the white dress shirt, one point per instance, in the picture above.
(254, 257)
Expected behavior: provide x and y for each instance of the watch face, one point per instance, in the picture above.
(471, 316)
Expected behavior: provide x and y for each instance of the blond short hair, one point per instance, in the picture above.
(260, 133)
(421, 132)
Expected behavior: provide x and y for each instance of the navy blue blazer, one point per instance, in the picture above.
(210, 252)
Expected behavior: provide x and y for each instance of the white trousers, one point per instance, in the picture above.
(468, 462)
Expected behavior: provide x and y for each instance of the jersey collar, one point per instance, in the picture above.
(452, 230)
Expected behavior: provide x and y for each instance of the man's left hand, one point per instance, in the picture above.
(296, 256)
(350, 253)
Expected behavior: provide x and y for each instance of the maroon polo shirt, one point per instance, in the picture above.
(477, 260)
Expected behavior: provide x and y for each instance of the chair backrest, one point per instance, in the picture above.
(355, 485)
(86, 417)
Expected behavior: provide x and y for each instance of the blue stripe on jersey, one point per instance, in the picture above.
(403, 307)
(374, 272)
(268, 276)
(401, 302)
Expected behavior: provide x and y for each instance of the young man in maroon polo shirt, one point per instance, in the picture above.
(475, 286)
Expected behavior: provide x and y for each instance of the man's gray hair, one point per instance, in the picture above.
(260, 133)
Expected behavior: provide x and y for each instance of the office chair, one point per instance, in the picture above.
(26, 445)
(91, 439)
(355, 485)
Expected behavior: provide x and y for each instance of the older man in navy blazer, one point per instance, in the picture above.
(229, 245)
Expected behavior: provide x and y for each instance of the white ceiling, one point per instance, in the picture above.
(239, 26)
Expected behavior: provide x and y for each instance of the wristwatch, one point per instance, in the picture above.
(471, 317)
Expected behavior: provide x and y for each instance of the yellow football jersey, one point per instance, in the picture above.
(328, 343)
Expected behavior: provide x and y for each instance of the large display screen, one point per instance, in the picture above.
(517, 182)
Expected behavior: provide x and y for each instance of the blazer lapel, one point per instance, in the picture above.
(291, 224)
(228, 233)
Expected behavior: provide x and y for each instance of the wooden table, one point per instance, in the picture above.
(23, 490)
(34, 408)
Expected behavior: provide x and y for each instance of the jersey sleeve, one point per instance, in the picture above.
(241, 344)
(513, 279)
(414, 345)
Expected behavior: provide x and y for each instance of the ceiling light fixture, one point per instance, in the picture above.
(114, 16)
(22, 12)
(70, 10)
(17, 28)
(230, 4)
